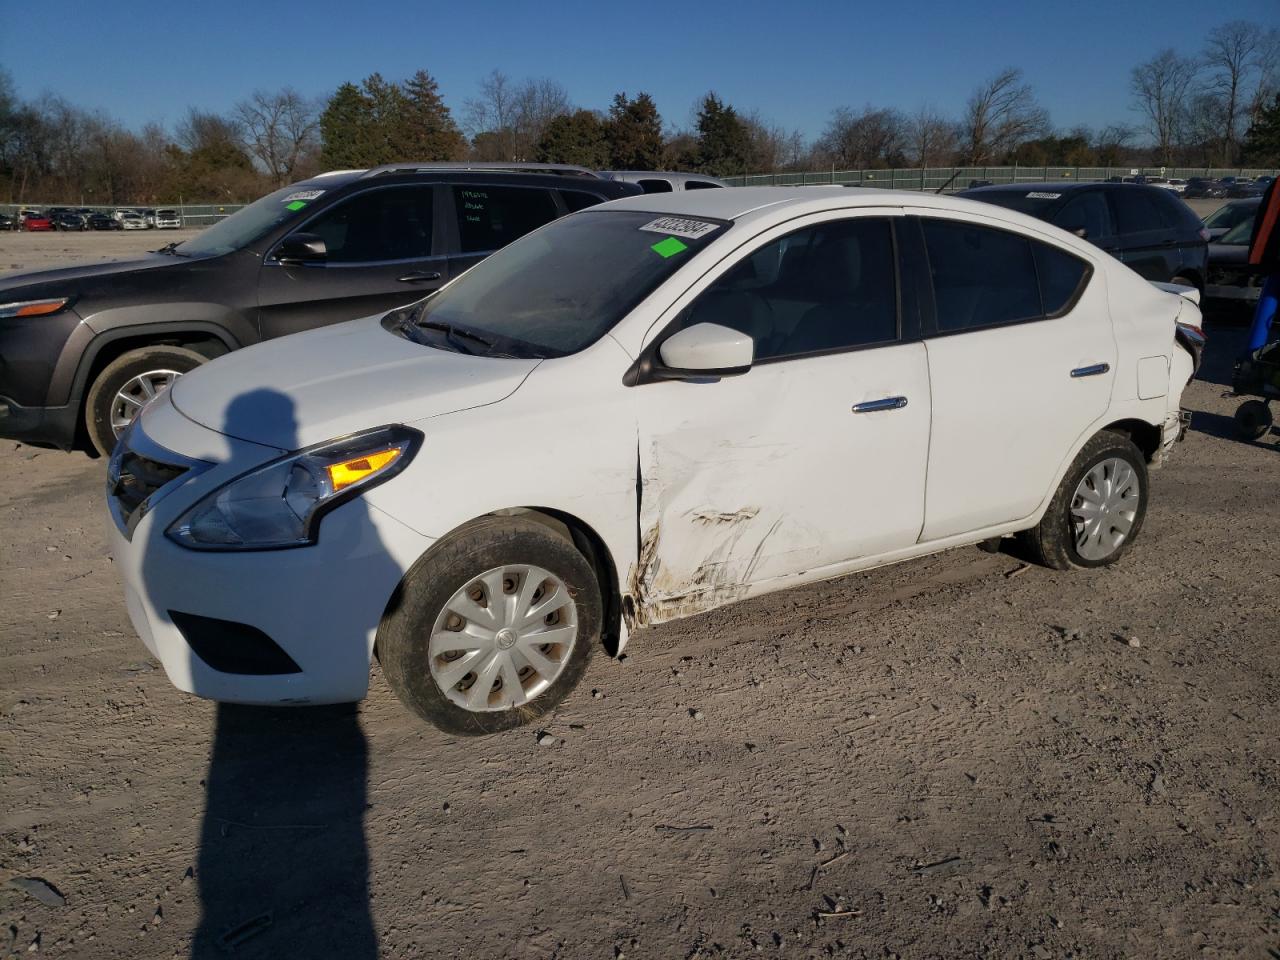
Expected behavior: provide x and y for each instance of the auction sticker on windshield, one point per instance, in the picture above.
(680, 227)
(1043, 196)
(306, 195)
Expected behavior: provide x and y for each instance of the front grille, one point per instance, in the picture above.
(132, 480)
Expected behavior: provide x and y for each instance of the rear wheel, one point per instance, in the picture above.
(126, 384)
(1253, 419)
(1098, 508)
(493, 628)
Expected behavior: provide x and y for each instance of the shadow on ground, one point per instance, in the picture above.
(283, 865)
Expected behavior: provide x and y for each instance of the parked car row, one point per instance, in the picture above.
(85, 218)
(1230, 282)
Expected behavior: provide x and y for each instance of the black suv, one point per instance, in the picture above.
(1148, 228)
(82, 348)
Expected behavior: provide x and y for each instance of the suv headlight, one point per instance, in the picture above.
(280, 503)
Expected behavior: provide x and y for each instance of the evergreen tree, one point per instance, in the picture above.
(724, 144)
(1262, 142)
(634, 133)
(577, 137)
(344, 132)
(431, 133)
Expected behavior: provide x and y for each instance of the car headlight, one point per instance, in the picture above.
(34, 308)
(280, 503)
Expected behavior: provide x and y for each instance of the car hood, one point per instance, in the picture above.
(84, 271)
(311, 387)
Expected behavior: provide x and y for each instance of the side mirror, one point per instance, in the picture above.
(301, 248)
(704, 350)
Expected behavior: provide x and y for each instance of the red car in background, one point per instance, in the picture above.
(31, 220)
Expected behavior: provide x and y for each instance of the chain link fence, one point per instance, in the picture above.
(960, 178)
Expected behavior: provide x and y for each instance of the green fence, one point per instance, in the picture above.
(959, 178)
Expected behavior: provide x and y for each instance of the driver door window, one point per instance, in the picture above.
(1088, 211)
(826, 288)
(378, 226)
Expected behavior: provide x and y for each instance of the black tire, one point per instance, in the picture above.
(403, 635)
(1253, 419)
(1052, 542)
(101, 395)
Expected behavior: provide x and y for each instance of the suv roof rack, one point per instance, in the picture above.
(558, 169)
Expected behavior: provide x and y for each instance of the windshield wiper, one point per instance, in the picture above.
(450, 332)
(171, 248)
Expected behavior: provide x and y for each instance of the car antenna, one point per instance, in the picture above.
(948, 183)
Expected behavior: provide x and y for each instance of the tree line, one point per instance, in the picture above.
(1219, 106)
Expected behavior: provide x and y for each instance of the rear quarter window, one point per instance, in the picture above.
(1062, 277)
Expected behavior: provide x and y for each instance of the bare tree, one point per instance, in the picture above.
(872, 138)
(1111, 144)
(931, 138)
(1268, 84)
(1001, 114)
(1231, 55)
(1160, 91)
(279, 130)
(506, 121)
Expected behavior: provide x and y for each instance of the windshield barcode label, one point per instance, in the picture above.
(680, 227)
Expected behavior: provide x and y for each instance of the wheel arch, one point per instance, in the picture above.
(208, 339)
(1145, 436)
(585, 538)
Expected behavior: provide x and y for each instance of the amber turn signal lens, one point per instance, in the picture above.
(358, 468)
(32, 308)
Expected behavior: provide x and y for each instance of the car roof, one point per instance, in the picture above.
(678, 176)
(462, 173)
(735, 203)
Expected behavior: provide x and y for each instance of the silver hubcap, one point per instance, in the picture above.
(1104, 507)
(503, 638)
(130, 398)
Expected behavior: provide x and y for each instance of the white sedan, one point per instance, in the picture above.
(637, 413)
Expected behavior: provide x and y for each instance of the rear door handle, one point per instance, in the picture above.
(874, 406)
(1093, 370)
(418, 277)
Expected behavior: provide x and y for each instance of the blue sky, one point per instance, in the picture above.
(793, 61)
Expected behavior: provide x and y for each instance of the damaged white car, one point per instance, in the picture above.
(639, 412)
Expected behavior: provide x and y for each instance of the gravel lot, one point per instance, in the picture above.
(956, 756)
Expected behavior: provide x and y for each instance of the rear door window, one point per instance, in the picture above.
(393, 223)
(982, 277)
(655, 186)
(492, 217)
(1136, 211)
(579, 200)
(1087, 211)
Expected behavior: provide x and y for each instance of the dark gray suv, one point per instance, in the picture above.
(1148, 228)
(82, 348)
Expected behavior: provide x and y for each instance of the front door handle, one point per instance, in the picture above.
(874, 406)
(1093, 370)
(418, 277)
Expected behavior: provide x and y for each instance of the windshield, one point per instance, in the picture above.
(1230, 214)
(246, 225)
(1241, 233)
(561, 288)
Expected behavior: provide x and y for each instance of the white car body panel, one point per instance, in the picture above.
(700, 493)
(334, 375)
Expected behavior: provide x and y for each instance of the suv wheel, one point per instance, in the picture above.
(493, 627)
(1098, 509)
(126, 384)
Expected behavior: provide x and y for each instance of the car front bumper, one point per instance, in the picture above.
(281, 627)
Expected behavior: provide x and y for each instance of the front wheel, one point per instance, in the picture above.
(493, 628)
(1098, 508)
(126, 384)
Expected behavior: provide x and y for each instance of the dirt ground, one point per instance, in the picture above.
(956, 756)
